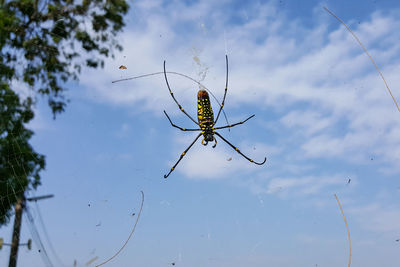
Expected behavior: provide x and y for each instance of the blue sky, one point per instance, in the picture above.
(323, 116)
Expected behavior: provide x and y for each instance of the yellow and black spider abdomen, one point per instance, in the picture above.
(205, 113)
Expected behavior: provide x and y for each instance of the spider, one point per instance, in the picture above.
(206, 121)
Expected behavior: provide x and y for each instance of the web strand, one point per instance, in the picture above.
(130, 235)
(347, 227)
(366, 51)
(179, 74)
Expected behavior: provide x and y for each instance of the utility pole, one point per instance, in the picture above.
(17, 226)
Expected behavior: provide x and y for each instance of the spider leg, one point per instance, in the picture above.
(182, 155)
(172, 94)
(176, 126)
(238, 151)
(226, 89)
(202, 142)
(232, 125)
(215, 142)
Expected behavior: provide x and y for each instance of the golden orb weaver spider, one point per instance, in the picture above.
(206, 121)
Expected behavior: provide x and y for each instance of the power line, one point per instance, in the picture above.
(36, 238)
(47, 236)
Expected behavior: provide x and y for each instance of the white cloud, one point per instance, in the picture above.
(302, 185)
(324, 146)
(323, 85)
(308, 122)
(378, 218)
(124, 131)
(208, 163)
(205, 162)
(295, 182)
(39, 122)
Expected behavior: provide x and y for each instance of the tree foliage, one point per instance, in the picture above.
(19, 163)
(44, 44)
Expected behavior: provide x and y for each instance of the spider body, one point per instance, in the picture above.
(206, 122)
(205, 116)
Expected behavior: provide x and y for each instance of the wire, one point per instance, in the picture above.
(36, 238)
(47, 236)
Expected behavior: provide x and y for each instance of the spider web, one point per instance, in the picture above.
(17, 153)
(21, 168)
(16, 187)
